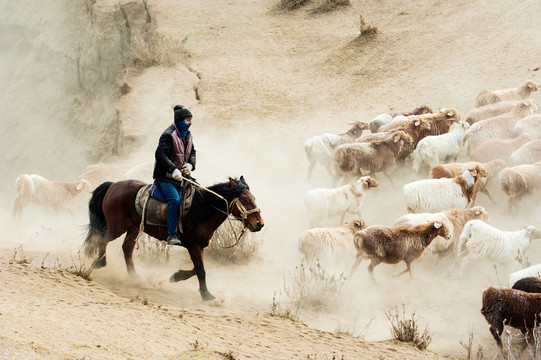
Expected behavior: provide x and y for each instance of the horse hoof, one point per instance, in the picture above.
(208, 296)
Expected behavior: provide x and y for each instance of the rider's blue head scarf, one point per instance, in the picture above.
(183, 126)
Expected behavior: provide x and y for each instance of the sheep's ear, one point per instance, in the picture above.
(437, 225)
(80, 185)
(449, 114)
(477, 213)
(474, 172)
(418, 123)
(396, 138)
(373, 182)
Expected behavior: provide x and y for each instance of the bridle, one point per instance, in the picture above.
(243, 212)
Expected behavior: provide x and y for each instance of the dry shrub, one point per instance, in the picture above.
(277, 311)
(313, 288)
(226, 248)
(155, 49)
(366, 29)
(518, 346)
(329, 5)
(20, 257)
(406, 330)
(152, 250)
(78, 268)
(288, 5)
(469, 348)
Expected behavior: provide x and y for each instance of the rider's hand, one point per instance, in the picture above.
(186, 169)
(177, 175)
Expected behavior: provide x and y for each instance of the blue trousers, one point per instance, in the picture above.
(173, 194)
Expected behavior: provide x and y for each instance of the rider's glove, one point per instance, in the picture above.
(186, 169)
(177, 175)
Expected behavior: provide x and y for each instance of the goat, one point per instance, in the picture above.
(38, 190)
(528, 153)
(486, 97)
(327, 244)
(488, 111)
(392, 244)
(433, 195)
(519, 181)
(322, 203)
(435, 149)
(492, 168)
(498, 148)
(515, 308)
(378, 156)
(480, 240)
(319, 149)
(499, 127)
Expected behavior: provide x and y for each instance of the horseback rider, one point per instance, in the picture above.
(175, 158)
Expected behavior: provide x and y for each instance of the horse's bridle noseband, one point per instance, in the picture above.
(243, 212)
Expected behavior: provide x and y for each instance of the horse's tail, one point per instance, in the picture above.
(97, 226)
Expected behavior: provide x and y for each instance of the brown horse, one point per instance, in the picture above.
(112, 211)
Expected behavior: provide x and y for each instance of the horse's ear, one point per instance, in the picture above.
(232, 182)
(242, 178)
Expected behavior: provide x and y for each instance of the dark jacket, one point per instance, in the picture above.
(172, 152)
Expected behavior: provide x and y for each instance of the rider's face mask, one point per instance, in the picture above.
(183, 126)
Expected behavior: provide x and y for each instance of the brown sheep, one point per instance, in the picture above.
(486, 97)
(493, 169)
(515, 308)
(519, 181)
(440, 122)
(498, 148)
(488, 111)
(350, 160)
(393, 244)
(413, 127)
(499, 127)
(531, 284)
(417, 111)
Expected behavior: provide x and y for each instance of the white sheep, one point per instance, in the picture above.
(480, 240)
(37, 190)
(531, 271)
(499, 127)
(498, 148)
(530, 125)
(322, 203)
(330, 245)
(486, 97)
(488, 111)
(436, 149)
(433, 195)
(384, 119)
(528, 153)
(519, 181)
(319, 149)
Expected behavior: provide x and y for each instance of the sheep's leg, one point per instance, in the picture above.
(371, 267)
(127, 247)
(358, 260)
(408, 269)
(330, 172)
(496, 333)
(485, 191)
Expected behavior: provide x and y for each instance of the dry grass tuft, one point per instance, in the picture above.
(155, 49)
(330, 5)
(469, 348)
(406, 330)
(19, 257)
(518, 346)
(78, 268)
(284, 314)
(313, 288)
(222, 246)
(288, 5)
(366, 29)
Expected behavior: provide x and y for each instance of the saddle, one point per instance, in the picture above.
(155, 210)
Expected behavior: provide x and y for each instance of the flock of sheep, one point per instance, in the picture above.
(501, 137)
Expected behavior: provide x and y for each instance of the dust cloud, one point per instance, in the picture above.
(38, 137)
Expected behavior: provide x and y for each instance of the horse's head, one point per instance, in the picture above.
(244, 207)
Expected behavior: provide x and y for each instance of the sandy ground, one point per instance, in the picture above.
(265, 82)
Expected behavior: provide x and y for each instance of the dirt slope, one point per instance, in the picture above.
(259, 83)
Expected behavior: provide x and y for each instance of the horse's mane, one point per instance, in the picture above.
(204, 203)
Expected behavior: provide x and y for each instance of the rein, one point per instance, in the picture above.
(242, 209)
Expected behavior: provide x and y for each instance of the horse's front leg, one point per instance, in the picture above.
(196, 253)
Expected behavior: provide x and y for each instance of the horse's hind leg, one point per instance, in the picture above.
(127, 247)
